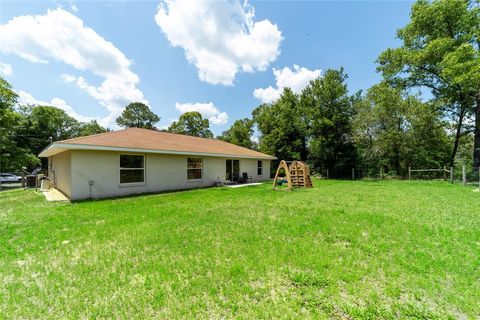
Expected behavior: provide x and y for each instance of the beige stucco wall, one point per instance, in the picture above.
(162, 172)
(250, 166)
(59, 170)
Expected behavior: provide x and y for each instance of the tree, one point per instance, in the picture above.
(440, 51)
(240, 133)
(137, 115)
(330, 112)
(192, 124)
(12, 157)
(91, 127)
(283, 127)
(40, 124)
(8, 99)
(393, 131)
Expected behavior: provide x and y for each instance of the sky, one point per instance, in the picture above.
(223, 59)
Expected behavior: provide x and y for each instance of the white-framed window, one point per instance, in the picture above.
(132, 168)
(194, 168)
(259, 167)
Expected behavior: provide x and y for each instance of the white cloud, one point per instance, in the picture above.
(61, 36)
(73, 7)
(207, 110)
(6, 69)
(296, 79)
(25, 98)
(219, 38)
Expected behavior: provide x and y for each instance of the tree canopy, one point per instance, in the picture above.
(240, 133)
(440, 51)
(192, 124)
(282, 127)
(91, 127)
(330, 112)
(137, 115)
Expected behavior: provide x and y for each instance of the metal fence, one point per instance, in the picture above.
(462, 174)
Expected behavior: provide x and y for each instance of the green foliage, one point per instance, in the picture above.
(12, 156)
(39, 124)
(240, 133)
(440, 51)
(192, 124)
(330, 111)
(91, 127)
(137, 115)
(349, 250)
(394, 131)
(27, 130)
(283, 127)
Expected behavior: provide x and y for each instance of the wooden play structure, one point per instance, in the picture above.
(297, 175)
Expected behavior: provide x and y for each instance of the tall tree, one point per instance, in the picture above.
(12, 157)
(137, 115)
(192, 124)
(330, 110)
(91, 127)
(440, 51)
(283, 127)
(8, 100)
(40, 124)
(393, 131)
(240, 133)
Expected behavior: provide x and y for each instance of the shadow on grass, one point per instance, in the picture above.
(154, 193)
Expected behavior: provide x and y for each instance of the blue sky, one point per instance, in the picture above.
(91, 58)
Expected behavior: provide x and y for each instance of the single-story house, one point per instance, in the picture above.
(140, 160)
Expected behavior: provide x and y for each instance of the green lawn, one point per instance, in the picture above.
(343, 249)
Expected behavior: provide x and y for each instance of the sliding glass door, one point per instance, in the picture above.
(232, 170)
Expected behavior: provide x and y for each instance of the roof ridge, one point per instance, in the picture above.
(92, 135)
(185, 135)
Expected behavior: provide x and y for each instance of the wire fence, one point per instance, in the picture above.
(465, 175)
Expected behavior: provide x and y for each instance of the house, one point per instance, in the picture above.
(137, 160)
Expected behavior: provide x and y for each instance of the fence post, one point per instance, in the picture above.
(381, 173)
(479, 179)
(451, 174)
(353, 173)
(409, 173)
(327, 173)
(464, 175)
(444, 173)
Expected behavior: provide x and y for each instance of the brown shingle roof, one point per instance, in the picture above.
(136, 138)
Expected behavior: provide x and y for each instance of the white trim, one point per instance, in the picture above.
(74, 146)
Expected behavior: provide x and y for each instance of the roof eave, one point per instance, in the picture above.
(56, 148)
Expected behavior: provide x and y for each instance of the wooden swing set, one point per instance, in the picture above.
(297, 175)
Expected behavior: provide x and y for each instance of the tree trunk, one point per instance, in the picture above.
(458, 134)
(476, 143)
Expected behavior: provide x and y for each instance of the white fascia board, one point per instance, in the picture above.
(55, 148)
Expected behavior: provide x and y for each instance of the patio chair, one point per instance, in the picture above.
(245, 178)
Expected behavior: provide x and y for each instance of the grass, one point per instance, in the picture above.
(363, 249)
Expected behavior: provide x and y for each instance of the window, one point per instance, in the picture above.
(194, 168)
(132, 168)
(259, 168)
